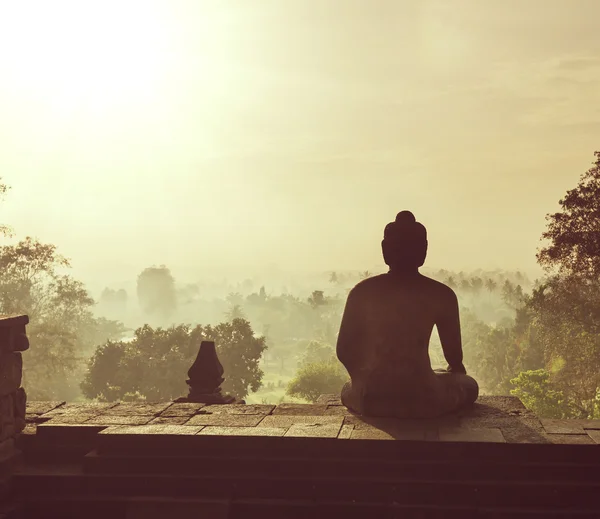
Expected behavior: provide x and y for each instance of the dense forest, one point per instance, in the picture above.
(537, 339)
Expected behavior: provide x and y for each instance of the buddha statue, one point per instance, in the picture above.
(384, 336)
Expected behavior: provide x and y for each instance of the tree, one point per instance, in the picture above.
(154, 364)
(317, 378)
(574, 232)
(4, 230)
(317, 299)
(156, 293)
(62, 330)
(536, 392)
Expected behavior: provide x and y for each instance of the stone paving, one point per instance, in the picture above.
(492, 419)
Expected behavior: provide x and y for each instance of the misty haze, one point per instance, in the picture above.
(179, 171)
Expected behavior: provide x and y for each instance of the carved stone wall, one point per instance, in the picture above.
(13, 340)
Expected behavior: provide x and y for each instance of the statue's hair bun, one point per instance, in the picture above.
(405, 217)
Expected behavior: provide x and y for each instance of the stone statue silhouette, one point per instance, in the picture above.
(384, 335)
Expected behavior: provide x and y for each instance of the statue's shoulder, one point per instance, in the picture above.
(369, 284)
(440, 289)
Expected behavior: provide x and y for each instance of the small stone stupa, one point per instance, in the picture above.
(206, 377)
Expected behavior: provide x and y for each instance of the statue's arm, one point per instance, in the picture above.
(448, 325)
(348, 336)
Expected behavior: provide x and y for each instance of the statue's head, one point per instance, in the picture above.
(404, 242)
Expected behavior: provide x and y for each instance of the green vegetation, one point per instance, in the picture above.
(539, 341)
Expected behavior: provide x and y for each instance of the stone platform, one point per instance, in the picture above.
(493, 419)
(151, 460)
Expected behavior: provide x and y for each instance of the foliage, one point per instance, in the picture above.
(574, 232)
(156, 293)
(537, 393)
(154, 364)
(318, 378)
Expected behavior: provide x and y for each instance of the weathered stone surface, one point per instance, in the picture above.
(68, 433)
(461, 434)
(20, 402)
(7, 417)
(30, 428)
(589, 424)
(346, 432)
(242, 431)
(163, 429)
(594, 434)
(188, 409)
(571, 439)
(7, 448)
(337, 410)
(257, 409)
(118, 420)
(226, 420)
(71, 418)
(370, 434)
(36, 418)
(330, 400)
(11, 372)
(286, 421)
(402, 428)
(300, 409)
(305, 430)
(169, 420)
(562, 427)
(42, 407)
(125, 408)
(91, 408)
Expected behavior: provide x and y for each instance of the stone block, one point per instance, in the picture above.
(563, 427)
(345, 432)
(242, 431)
(571, 439)
(93, 408)
(41, 407)
(286, 421)
(68, 433)
(337, 410)
(12, 333)
(370, 434)
(188, 409)
(300, 409)
(11, 372)
(20, 401)
(594, 434)
(149, 508)
(463, 434)
(7, 448)
(7, 417)
(329, 400)
(73, 418)
(238, 409)
(127, 408)
(117, 419)
(169, 420)
(226, 420)
(158, 429)
(303, 430)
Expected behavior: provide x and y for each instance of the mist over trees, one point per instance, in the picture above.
(537, 339)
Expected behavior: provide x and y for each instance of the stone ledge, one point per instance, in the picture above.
(492, 419)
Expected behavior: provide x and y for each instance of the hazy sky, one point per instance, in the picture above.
(255, 132)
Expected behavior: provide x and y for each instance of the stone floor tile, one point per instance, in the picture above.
(329, 400)
(286, 421)
(590, 424)
(238, 409)
(72, 418)
(370, 434)
(594, 434)
(130, 408)
(169, 420)
(300, 409)
(345, 432)
(36, 418)
(303, 430)
(165, 429)
(78, 408)
(226, 420)
(243, 431)
(337, 410)
(120, 420)
(42, 406)
(188, 409)
(571, 439)
(460, 434)
(562, 427)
